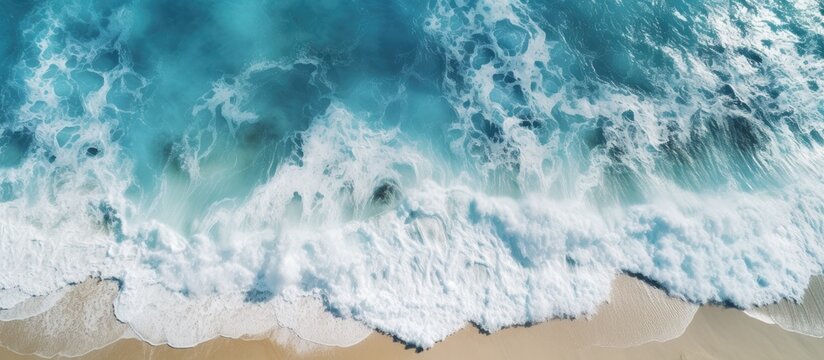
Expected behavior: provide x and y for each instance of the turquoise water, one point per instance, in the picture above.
(417, 164)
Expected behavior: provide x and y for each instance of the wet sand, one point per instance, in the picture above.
(638, 323)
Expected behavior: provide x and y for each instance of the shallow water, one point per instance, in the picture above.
(415, 164)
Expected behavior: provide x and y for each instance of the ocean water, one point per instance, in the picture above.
(414, 165)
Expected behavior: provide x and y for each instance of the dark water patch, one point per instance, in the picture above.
(106, 60)
(716, 151)
(454, 73)
(261, 290)
(489, 129)
(171, 155)
(528, 123)
(815, 135)
(693, 160)
(109, 219)
(83, 31)
(753, 57)
(386, 195)
(728, 91)
(732, 98)
(260, 134)
(482, 57)
(594, 136)
(741, 133)
(14, 145)
(257, 295)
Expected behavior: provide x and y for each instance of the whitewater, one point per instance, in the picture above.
(413, 166)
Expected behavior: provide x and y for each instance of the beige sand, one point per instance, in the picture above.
(636, 314)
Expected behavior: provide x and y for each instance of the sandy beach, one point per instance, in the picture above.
(639, 322)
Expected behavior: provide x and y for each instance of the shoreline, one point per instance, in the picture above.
(639, 322)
